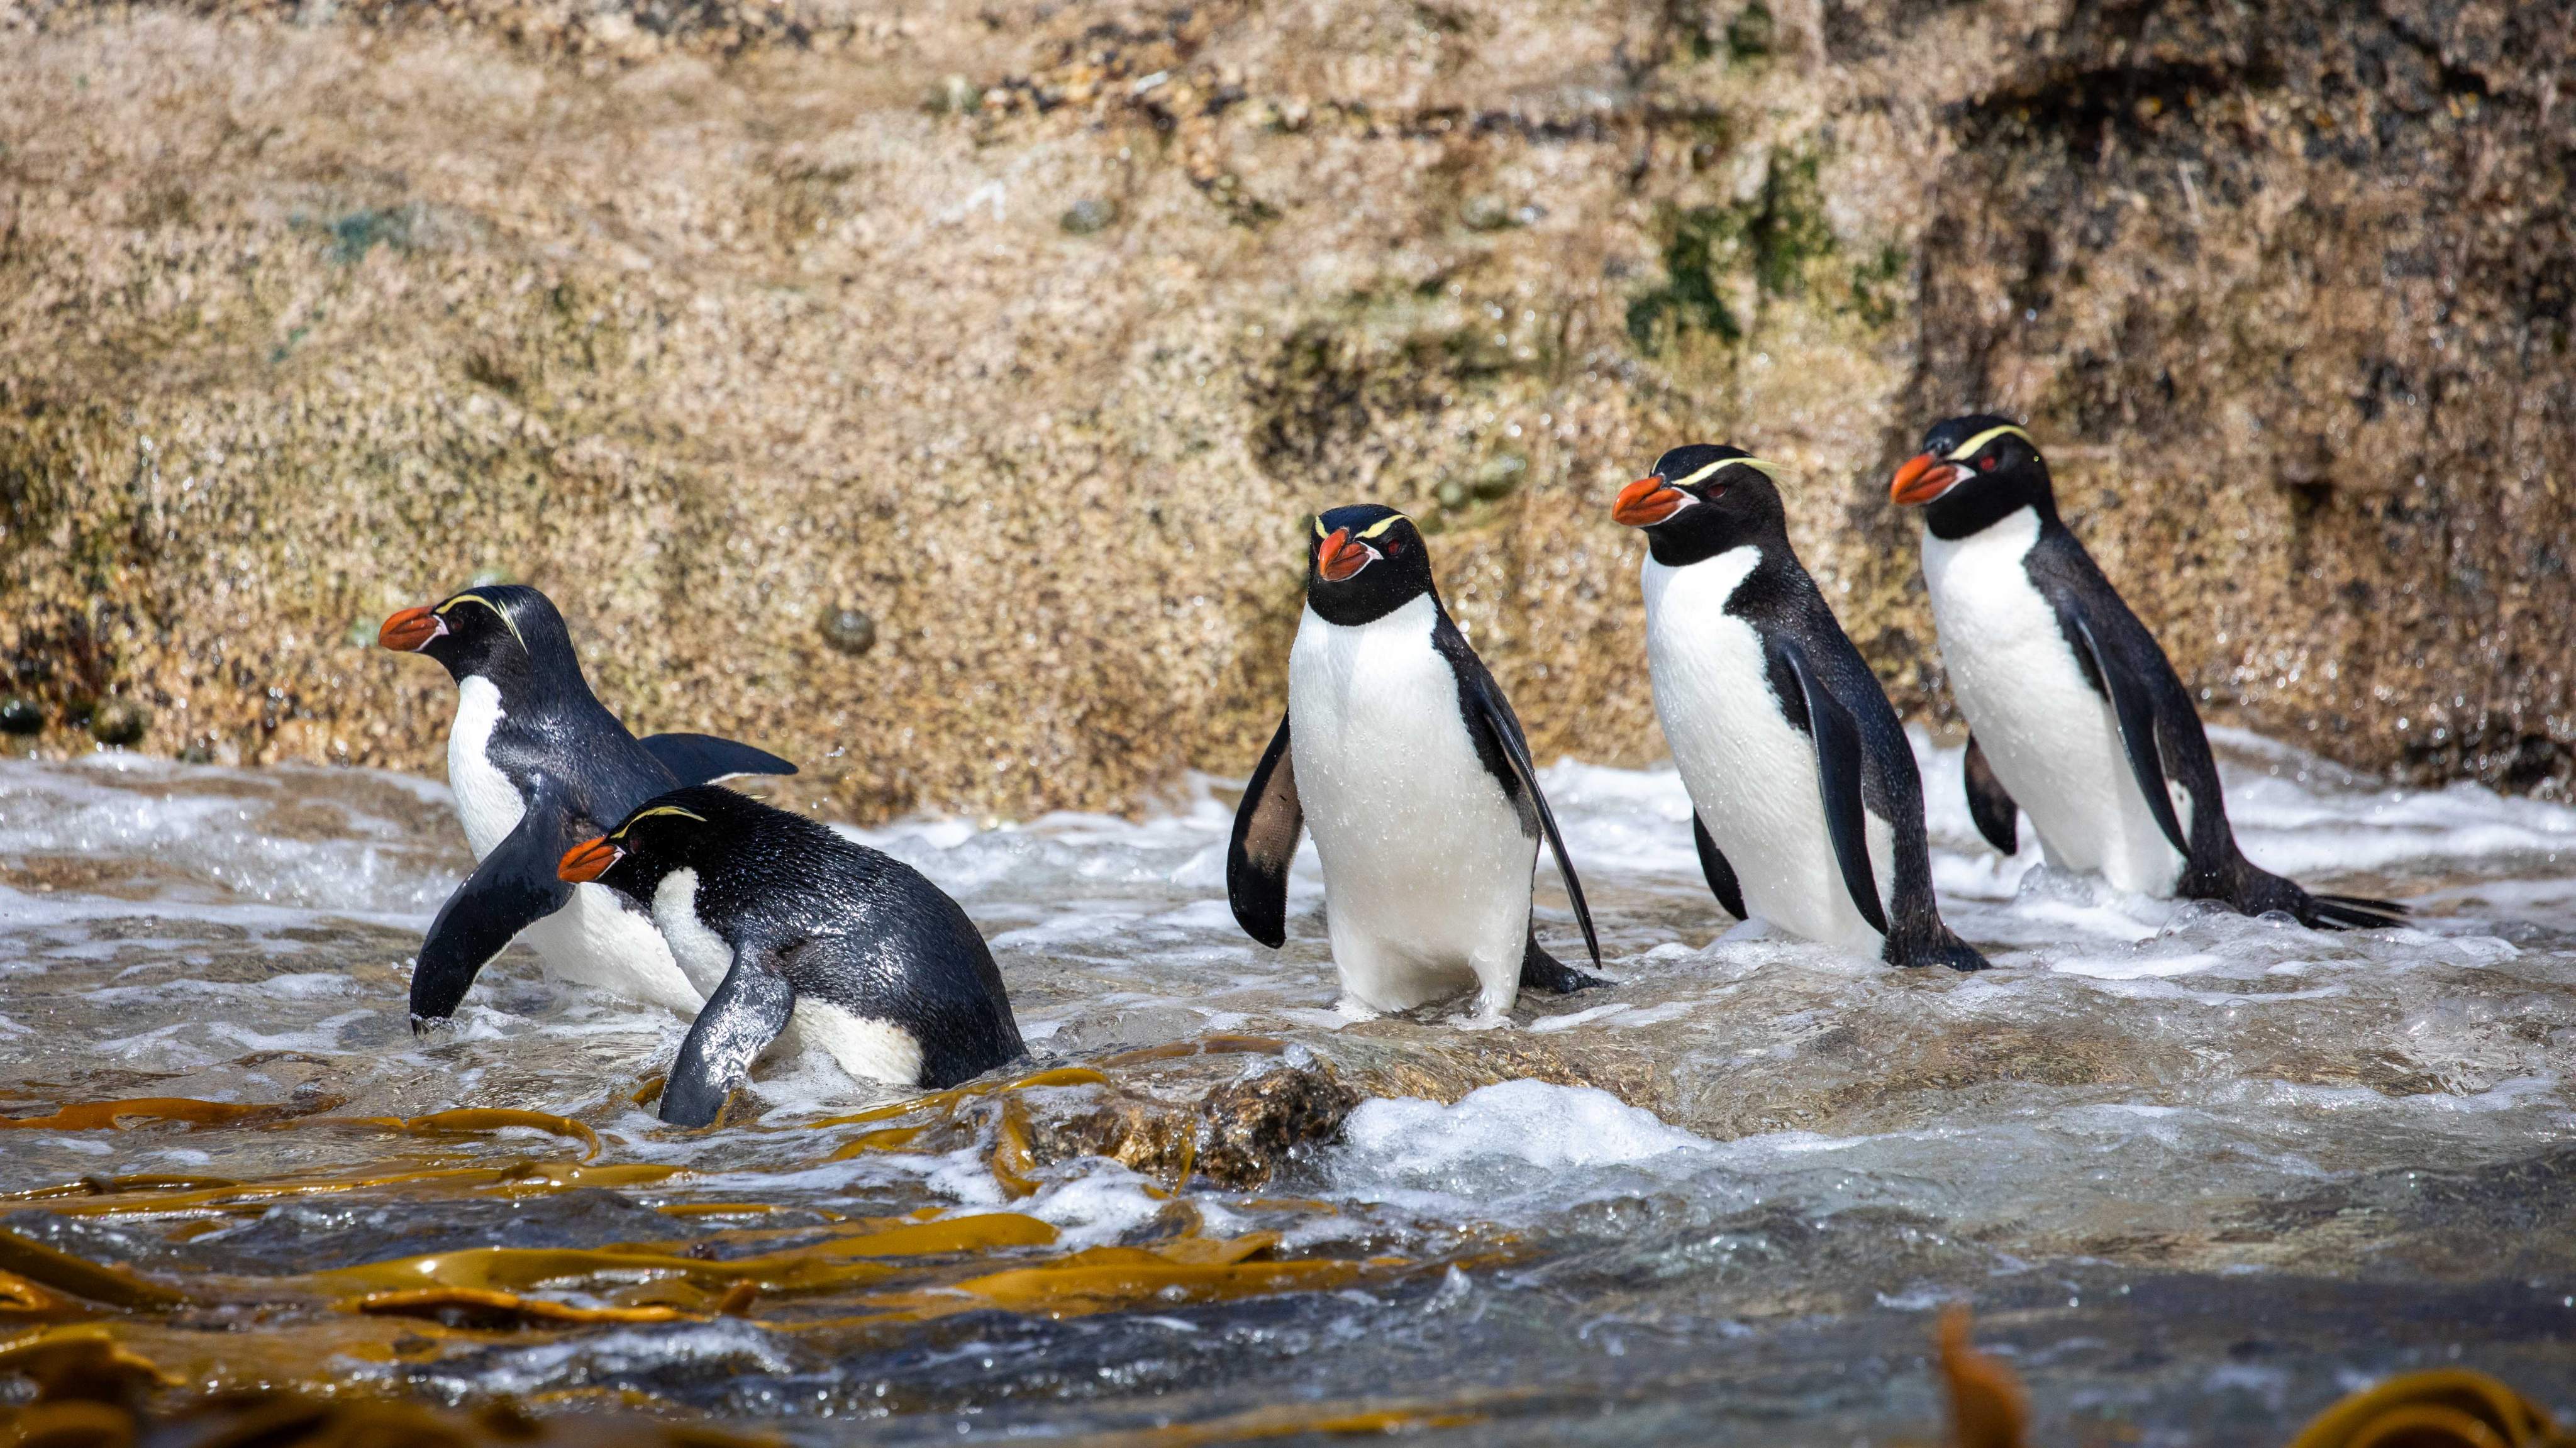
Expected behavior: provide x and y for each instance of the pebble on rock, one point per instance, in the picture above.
(1090, 214)
(849, 630)
(119, 721)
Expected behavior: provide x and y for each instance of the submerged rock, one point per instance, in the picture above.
(2285, 289)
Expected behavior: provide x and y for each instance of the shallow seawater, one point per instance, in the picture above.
(2198, 1174)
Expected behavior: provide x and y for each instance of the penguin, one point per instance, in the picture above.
(2075, 713)
(536, 762)
(1400, 752)
(863, 955)
(1806, 805)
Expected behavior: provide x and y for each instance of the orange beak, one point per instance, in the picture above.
(410, 631)
(1341, 555)
(588, 861)
(1923, 478)
(1648, 501)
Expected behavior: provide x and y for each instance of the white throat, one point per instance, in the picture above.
(487, 803)
(702, 954)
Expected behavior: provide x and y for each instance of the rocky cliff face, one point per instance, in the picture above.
(936, 396)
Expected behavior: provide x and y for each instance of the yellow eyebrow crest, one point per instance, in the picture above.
(659, 809)
(1319, 525)
(1968, 449)
(1382, 524)
(1769, 470)
(507, 621)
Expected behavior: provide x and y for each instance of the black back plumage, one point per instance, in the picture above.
(832, 919)
(2159, 721)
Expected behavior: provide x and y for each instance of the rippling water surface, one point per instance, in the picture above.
(2198, 1174)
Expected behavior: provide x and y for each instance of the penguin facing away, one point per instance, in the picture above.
(2076, 714)
(1399, 751)
(1806, 804)
(536, 762)
(864, 956)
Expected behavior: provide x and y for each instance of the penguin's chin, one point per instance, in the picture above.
(1924, 478)
(1647, 502)
(411, 630)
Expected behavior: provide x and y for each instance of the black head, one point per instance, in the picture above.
(1365, 563)
(1701, 500)
(686, 829)
(1973, 473)
(506, 632)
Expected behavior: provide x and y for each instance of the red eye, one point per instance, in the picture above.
(1393, 548)
(1985, 465)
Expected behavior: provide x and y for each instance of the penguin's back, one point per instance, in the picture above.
(891, 976)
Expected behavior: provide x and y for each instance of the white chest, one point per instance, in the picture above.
(1426, 870)
(702, 955)
(2052, 740)
(1751, 775)
(487, 803)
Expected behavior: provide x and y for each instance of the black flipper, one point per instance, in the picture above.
(739, 1021)
(2135, 709)
(1838, 774)
(512, 889)
(704, 759)
(1542, 971)
(1721, 875)
(1266, 826)
(1487, 696)
(1990, 804)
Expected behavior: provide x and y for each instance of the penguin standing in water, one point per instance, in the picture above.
(2077, 716)
(535, 763)
(870, 961)
(1806, 804)
(1401, 753)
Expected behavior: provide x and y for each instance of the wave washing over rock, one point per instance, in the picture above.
(2200, 1174)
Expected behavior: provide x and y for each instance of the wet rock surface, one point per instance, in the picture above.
(717, 320)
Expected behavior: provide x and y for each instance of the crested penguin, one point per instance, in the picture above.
(2075, 713)
(853, 947)
(536, 762)
(1400, 752)
(1806, 804)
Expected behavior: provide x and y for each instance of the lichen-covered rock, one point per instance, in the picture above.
(717, 321)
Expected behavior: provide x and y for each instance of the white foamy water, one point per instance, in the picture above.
(1743, 1129)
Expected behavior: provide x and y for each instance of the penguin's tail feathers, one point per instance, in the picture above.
(2353, 912)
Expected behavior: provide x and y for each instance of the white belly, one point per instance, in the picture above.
(1751, 776)
(867, 1048)
(597, 943)
(1426, 871)
(2052, 741)
(870, 1049)
(487, 803)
